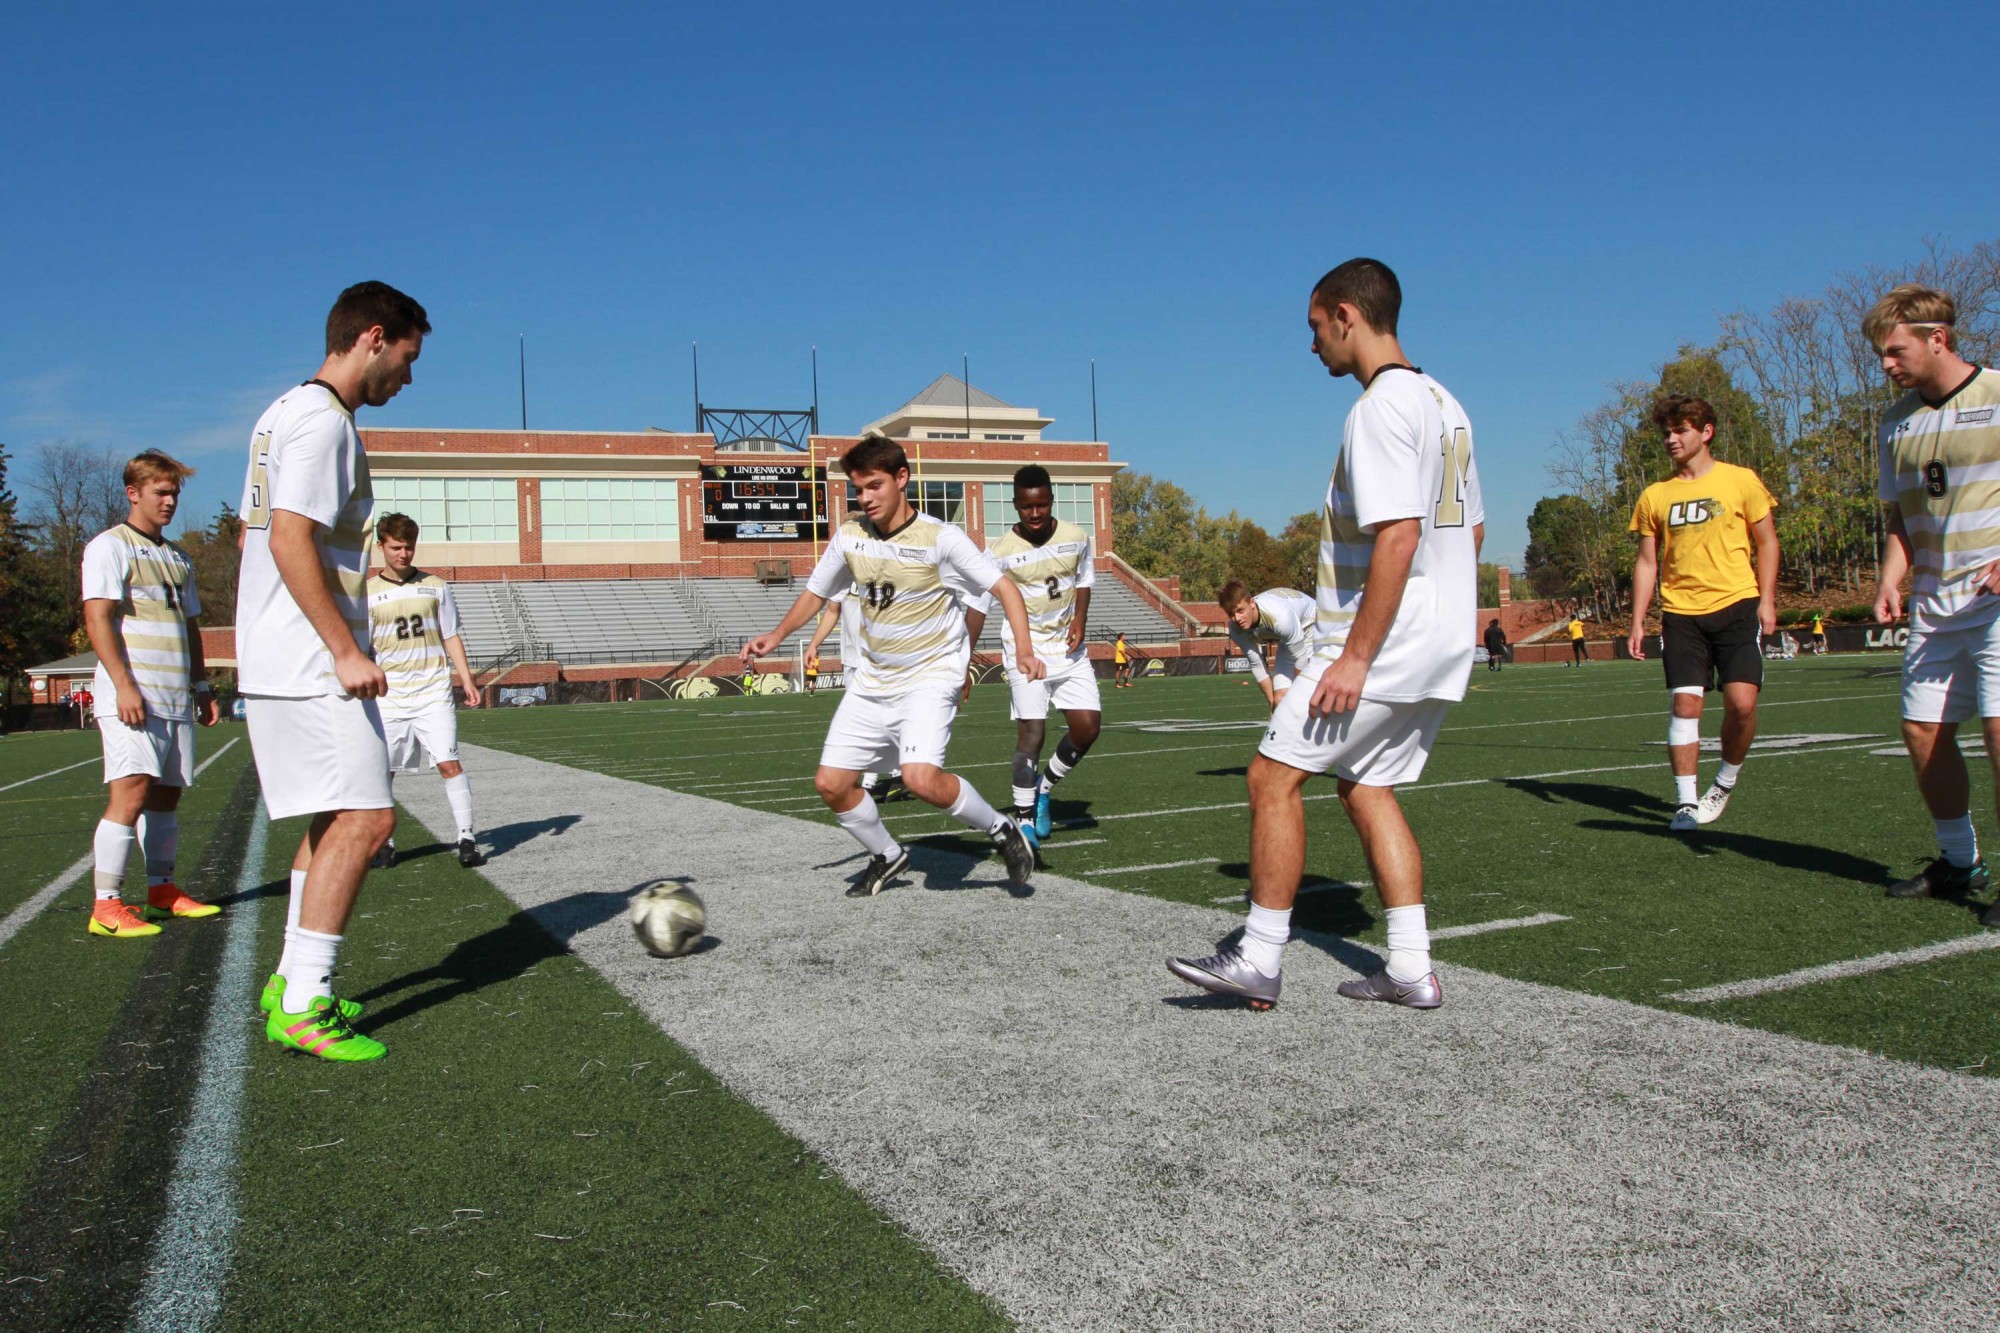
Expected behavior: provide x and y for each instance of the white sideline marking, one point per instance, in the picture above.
(45, 895)
(1505, 923)
(1157, 865)
(1853, 967)
(191, 1250)
(51, 773)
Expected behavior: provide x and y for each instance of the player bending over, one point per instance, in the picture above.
(1937, 448)
(1284, 616)
(1048, 559)
(903, 688)
(1400, 531)
(1696, 532)
(141, 611)
(414, 623)
(302, 647)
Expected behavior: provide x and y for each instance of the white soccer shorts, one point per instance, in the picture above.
(162, 749)
(1376, 744)
(423, 739)
(871, 735)
(323, 753)
(1071, 685)
(1952, 675)
(1283, 670)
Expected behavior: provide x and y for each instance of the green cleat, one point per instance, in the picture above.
(322, 1031)
(273, 998)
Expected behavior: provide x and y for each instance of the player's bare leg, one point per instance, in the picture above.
(1251, 970)
(1081, 730)
(854, 807)
(1684, 754)
(337, 849)
(1739, 729)
(1397, 865)
(1957, 870)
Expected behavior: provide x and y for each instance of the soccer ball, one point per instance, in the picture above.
(668, 918)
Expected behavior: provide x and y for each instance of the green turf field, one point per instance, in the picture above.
(566, 1165)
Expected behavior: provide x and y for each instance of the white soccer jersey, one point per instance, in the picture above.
(1940, 466)
(1406, 452)
(912, 629)
(1048, 576)
(409, 622)
(1286, 617)
(306, 458)
(150, 581)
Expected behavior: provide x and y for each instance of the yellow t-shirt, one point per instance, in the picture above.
(1817, 627)
(1702, 528)
(1118, 652)
(1576, 629)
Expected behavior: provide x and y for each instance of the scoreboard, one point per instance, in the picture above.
(763, 502)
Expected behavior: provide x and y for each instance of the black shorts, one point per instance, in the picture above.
(1721, 648)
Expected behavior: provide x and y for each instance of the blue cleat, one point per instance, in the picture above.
(1043, 826)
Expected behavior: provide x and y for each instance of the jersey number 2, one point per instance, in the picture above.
(1457, 449)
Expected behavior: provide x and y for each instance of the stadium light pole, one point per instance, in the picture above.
(1093, 400)
(524, 381)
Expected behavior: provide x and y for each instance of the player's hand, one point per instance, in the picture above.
(1339, 687)
(965, 694)
(755, 649)
(1989, 580)
(206, 710)
(1767, 615)
(1635, 642)
(1030, 665)
(1888, 604)
(359, 677)
(131, 708)
(474, 696)
(1075, 635)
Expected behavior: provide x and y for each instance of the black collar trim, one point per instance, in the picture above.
(1393, 365)
(330, 389)
(1021, 531)
(882, 536)
(415, 574)
(1962, 386)
(160, 540)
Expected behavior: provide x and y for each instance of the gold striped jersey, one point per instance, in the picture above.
(1701, 529)
(1406, 452)
(1940, 465)
(1048, 576)
(305, 458)
(909, 583)
(151, 583)
(409, 622)
(1286, 617)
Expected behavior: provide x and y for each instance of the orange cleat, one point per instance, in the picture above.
(111, 917)
(164, 901)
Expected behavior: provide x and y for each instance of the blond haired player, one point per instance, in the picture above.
(1400, 529)
(1940, 480)
(1697, 531)
(413, 622)
(903, 690)
(141, 610)
(1281, 616)
(302, 649)
(1049, 560)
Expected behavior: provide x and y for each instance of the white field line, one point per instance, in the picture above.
(1853, 967)
(45, 895)
(51, 773)
(1657, 712)
(1505, 923)
(1441, 786)
(1156, 865)
(190, 1264)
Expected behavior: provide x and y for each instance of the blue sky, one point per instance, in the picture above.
(1568, 192)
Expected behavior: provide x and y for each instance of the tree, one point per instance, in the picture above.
(213, 550)
(1256, 559)
(1299, 543)
(1153, 522)
(1559, 533)
(78, 494)
(1489, 584)
(13, 555)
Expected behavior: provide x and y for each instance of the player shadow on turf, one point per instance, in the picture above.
(524, 940)
(497, 841)
(948, 865)
(1357, 958)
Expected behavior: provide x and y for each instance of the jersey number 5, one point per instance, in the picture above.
(257, 497)
(1457, 450)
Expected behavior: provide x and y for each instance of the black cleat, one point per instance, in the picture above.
(1941, 879)
(385, 858)
(891, 789)
(469, 854)
(881, 870)
(1017, 851)
(1992, 917)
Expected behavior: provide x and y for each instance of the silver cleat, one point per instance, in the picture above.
(1424, 993)
(1686, 819)
(1229, 973)
(1713, 802)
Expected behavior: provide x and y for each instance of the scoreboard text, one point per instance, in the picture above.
(763, 502)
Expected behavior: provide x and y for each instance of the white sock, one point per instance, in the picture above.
(458, 791)
(1684, 789)
(1409, 944)
(311, 972)
(864, 821)
(1726, 775)
(868, 781)
(1957, 841)
(110, 849)
(160, 835)
(1024, 797)
(1264, 936)
(971, 810)
(292, 906)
